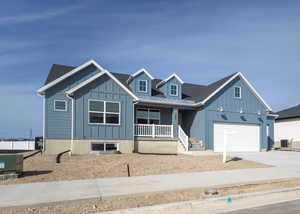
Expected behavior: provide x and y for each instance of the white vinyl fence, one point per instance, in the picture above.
(17, 145)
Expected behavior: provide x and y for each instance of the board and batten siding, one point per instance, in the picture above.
(246, 110)
(58, 123)
(134, 85)
(103, 88)
(165, 88)
(253, 112)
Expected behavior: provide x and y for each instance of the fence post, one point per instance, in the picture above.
(153, 130)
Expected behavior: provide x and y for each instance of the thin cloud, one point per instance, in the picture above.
(32, 17)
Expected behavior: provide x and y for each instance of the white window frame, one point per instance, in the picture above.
(104, 112)
(148, 119)
(66, 105)
(240, 97)
(139, 89)
(170, 92)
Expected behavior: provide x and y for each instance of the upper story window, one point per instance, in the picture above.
(104, 112)
(237, 92)
(142, 86)
(173, 90)
(60, 105)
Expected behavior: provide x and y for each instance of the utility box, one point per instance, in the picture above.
(11, 164)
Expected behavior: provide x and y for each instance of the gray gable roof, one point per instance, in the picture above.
(192, 92)
(292, 112)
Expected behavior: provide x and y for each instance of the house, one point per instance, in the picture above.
(89, 109)
(287, 126)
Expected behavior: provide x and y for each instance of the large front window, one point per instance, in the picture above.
(147, 116)
(104, 112)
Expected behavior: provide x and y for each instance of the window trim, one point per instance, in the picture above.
(66, 105)
(240, 88)
(177, 90)
(104, 113)
(139, 89)
(148, 119)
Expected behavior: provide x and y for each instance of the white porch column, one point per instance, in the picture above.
(175, 121)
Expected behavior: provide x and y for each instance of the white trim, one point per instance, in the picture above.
(104, 112)
(66, 105)
(91, 62)
(44, 122)
(142, 70)
(240, 97)
(72, 90)
(139, 90)
(168, 78)
(170, 90)
(246, 81)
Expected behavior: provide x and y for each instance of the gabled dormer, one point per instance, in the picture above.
(171, 87)
(141, 82)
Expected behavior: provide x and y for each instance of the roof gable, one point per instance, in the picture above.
(169, 78)
(142, 70)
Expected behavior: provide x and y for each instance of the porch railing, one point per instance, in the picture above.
(184, 139)
(152, 130)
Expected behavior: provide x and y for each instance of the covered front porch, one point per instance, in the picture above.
(156, 123)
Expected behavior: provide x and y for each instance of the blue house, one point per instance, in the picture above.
(88, 109)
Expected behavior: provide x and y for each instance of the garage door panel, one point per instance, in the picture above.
(241, 137)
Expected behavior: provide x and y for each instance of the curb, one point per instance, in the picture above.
(190, 204)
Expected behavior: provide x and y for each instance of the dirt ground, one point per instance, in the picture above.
(43, 168)
(98, 205)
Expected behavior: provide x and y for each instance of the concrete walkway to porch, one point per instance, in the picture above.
(36, 193)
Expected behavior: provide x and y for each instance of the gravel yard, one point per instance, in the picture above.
(43, 168)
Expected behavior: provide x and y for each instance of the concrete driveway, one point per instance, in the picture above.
(275, 158)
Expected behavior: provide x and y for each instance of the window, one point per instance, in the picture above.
(237, 92)
(143, 86)
(147, 116)
(174, 90)
(101, 148)
(104, 112)
(60, 105)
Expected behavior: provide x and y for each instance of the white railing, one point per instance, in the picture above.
(17, 145)
(184, 139)
(152, 130)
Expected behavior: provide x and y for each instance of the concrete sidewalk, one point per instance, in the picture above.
(36, 193)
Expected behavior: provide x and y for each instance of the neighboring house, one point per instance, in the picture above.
(89, 109)
(287, 126)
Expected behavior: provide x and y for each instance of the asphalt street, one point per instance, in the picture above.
(291, 207)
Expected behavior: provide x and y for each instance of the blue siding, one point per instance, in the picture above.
(166, 89)
(134, 85)
(103, 88)
(58, 124)
(249, 104)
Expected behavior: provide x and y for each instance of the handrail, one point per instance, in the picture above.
(184, 139)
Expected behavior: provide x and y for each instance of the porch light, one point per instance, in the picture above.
(241, 111)
(221, 109)
(258, 112)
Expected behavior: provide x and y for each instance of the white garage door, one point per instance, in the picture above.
(240, 137)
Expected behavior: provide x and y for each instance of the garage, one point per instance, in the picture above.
(240, 137)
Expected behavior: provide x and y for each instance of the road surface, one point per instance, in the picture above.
(291, 207)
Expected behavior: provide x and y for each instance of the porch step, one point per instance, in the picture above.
(196, 147)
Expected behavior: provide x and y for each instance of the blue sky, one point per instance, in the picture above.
(201, 41)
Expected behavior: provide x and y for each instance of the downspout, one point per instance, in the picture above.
(44, 122)
(72, 123)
